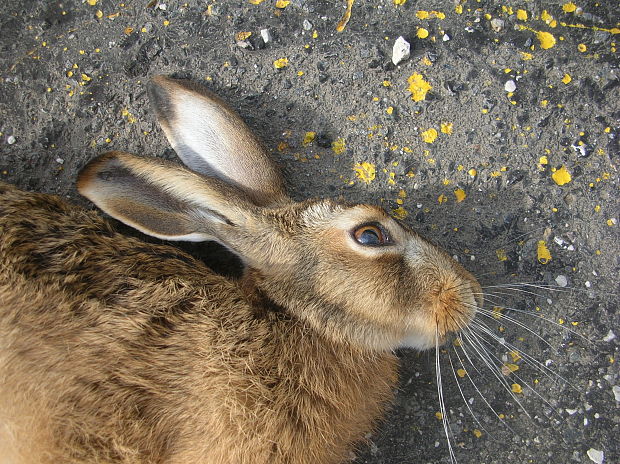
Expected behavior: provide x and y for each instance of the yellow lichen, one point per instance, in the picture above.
(422, 33)
(516, 388)
(546, 39)
(365, 171)
(282, 3)
(430, 135)
(338, 146)
(308, 138)
(400, 213)
(461, 373)
(280, 63)
(569, 7)
(544, 256)
(522, 15)
(446, 127)
(566, 79)
(460, 195)
(561, 176)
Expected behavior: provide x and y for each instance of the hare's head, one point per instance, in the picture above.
(349, 270)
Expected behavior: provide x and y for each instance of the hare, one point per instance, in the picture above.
(114, 350)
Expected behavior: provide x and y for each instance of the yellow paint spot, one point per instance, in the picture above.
(418, 87)
(543, 160)
(282, 3)
(439, 415)
(315, 34)
(526, 56)
(256, 2)
(400, 213)
(461, 373)
(516, 388)
(509, 368)
(460, 195)
(399, 2)
(458, 9)
(546, 16)
(126, 114)
(243, 35)
(338, 146)
(611, 222)
(597, 208)
(446, 127)
(472, 172)
(421, 14)
(166, 23)
(544, 256)
(546, 39)
(430, 135)
(582, 48)
(389, 110)
(345, 17)
(85, 77)
(92, 2)
(569, 7)
(280, 63)
(99, 14)
(544, 103)
(477, 433)
(442, 199)
(69, 73)
(515, 356)
(422, 33)
(365, 171)
(561, 176)
(386, 83)
(567, 79)
(501, 254)
(522, 15)
(308, 138)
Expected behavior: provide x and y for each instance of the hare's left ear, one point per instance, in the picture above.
(211, 139)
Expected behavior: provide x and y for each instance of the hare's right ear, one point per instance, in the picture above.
(211, 139)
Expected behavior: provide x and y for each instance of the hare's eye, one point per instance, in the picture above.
(371, 235)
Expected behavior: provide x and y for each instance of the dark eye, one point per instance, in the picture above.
(371, 235)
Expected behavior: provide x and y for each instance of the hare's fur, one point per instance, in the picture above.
(113, 350)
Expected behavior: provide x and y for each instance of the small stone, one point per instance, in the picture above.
(561, 280)
(497, 24)
(307, 25)
(11, 140)
(596, 456)
(400, 50)
(446, 37)
(616, 390)
(609, 337)
(60, 161)
(510, 86)
(266, 35)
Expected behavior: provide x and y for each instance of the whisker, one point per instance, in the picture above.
(466, 354)
(465, 400)
(442, 406)
(527, 357)
(476, 344)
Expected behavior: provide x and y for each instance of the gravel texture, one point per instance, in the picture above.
(497, 138)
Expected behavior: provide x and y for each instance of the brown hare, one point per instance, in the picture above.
(113, 350)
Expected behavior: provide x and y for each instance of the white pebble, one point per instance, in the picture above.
(609, 337)
(596, 456)
(616, 390)
(400, 50)
(588, 284)
(266, 35)
(60, 160)
(571, 411)
(10, 140)
(510, 86)
(561, 280)
(446, 37)
(307, 25)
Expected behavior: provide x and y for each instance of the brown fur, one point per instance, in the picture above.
(117, 351)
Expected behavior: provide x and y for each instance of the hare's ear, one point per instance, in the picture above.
(162, 199)
(211, 139)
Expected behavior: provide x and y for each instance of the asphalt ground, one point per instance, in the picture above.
(497, 138)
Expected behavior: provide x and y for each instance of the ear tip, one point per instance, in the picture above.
(88, 174)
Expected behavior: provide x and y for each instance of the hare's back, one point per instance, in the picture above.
(100, 333)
